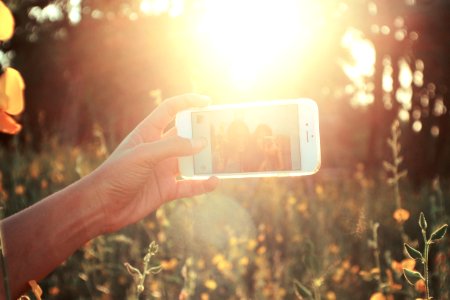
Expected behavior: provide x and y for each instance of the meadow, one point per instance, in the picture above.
(368, 225)
(338, 234)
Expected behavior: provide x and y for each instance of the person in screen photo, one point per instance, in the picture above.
(265, 153)
(236, 147)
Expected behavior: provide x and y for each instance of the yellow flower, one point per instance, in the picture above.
(292, 200)
(7, 28)
(261, 250)
(251, 244)
(210, 284)
(244, 261)
(217, 259)
(319, 190)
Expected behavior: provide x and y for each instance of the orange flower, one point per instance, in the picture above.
(169, 264)
(8, 124)
(420, 286)
(54, 291)
(407, 263)
(11, 100)
(378, 296)
(401, 215)
(11, 91)
(19, 189)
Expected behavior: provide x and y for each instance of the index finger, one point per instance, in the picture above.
(153, 126)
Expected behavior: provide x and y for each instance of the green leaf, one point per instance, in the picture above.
(412, 276)
(301, 291)
(439, 233)
(422, 221)
(413, 253)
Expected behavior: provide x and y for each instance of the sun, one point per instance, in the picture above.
(251, 37)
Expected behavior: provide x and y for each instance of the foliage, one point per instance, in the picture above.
(335, 235)
(254, 239)
(413, 276)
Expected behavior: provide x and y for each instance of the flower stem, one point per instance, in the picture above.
(425, 263)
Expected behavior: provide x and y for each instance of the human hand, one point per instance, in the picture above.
(141, 174)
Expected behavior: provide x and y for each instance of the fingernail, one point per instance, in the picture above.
(199, 142)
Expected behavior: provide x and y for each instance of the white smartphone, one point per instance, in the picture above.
(255, 139)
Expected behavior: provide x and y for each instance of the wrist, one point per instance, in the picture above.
(89, 207)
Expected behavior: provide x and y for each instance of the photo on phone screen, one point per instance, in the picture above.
(248, 139)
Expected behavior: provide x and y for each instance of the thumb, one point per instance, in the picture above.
(174, 146)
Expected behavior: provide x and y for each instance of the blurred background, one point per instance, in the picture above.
(379, 71)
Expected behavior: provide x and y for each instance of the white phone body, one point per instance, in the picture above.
(255, 139)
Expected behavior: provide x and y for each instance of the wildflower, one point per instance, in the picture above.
(244, 261)
(279, 238)
(44, 184)
(319, 190)
(7, 28)
(338, 275)
(292, 200)
(201, 264)
(53, 291)
(378, 296)
(169, 264)
(155, 289)
(150, 225)
(302, 207)
(333, 248)
(420, 286)
(34, 169)
(184, 295)
(261, 250)
(204, 296)
(251, 244)
(401, 215)
(233, 241)
(210, 284)
(261, 237)
(330, 295)
(19, 189)
(161, 237)
(11, 99)
(407, 263)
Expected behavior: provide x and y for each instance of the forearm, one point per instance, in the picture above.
(39, 238)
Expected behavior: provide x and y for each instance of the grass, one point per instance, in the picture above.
(335, 235)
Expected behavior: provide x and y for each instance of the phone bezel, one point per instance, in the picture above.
(308, 130)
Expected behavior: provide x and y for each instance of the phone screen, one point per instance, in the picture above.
(249, 139)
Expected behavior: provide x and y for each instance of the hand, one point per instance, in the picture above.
(140, 175)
